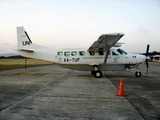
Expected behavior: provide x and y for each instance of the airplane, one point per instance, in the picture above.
(103, 55)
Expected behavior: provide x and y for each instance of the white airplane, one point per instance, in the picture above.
(100, 56)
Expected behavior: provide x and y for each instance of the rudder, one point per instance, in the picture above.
(23, 40)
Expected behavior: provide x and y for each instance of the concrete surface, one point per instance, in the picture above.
(55, 93)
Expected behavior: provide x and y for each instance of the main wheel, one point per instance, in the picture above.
(138, 74)
(98, 74)
(92, 72)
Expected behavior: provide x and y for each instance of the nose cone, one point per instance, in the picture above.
(142, 58)
(137, 58)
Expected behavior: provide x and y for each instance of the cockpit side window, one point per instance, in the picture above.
(114, 53)
(122, 52)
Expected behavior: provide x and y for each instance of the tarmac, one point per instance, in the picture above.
(55, 93)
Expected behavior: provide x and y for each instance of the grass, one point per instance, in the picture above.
(13, 63)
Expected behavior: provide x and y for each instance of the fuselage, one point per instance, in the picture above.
(82, 59)
(82, 56)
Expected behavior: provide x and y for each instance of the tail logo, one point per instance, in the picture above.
(25, 43)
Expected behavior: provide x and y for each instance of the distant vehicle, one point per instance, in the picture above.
(103, 55)
(156, 58)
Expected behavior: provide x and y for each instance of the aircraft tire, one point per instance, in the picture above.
(92, 72)
(97, 74)
(138, 74)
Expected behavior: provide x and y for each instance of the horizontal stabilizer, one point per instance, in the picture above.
(27, 50)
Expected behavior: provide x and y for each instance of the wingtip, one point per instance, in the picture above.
(121, 34)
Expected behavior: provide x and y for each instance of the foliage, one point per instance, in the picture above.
(151, 53)
(12, 57)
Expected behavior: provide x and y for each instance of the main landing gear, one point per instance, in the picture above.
(97, 73)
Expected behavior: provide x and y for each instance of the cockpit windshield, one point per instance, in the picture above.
(122, 52)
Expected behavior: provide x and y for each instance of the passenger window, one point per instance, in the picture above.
(73, 53)
(81, 53)
(60, 53)
(100, 52)
(67, 53)
(92, 53)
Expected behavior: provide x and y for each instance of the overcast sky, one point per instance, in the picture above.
(78, 23)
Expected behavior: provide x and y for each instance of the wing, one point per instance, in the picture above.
(105, 42)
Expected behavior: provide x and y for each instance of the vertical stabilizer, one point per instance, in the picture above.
(23, 40)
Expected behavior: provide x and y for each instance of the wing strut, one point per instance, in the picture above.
(105, 56)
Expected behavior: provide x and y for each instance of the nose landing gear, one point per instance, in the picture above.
(138, 74)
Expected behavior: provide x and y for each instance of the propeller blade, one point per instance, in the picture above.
(147, 50)
(147, 65)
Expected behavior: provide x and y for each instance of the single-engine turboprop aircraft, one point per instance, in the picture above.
(103, 55)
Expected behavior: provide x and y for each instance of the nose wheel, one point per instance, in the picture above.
(138, 74)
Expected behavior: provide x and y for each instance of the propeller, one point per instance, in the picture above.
(147, 50)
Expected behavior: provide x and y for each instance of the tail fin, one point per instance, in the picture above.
(23, 40)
